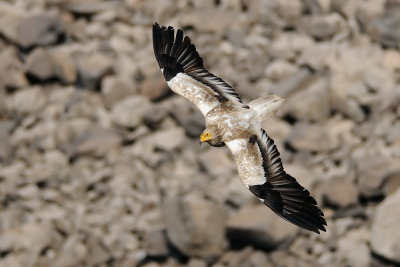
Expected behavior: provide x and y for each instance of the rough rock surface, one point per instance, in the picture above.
(100, 163)
(386, 230)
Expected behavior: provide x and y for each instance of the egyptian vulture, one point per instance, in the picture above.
(232, 123)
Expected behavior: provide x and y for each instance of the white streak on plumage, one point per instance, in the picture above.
(196, 92)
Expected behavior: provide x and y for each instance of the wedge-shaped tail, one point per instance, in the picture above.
(265, 107)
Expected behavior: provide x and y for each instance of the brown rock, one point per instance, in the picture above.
(168, 139)
(92, 68)
(5, 145)
(96, 142)
(312, 103)
(259, 226)
(339, 192)
(65, 68)
(195, 225)
(155, 243)
(217, 161)
(130, 111)
(154, 86)
(11, 69)
(89, 7)
(115, 89)
(40, 64)
(41, 29)
(10, 18)
(29, 101)
(322, 27)
(385, 233)
(372, 171)
(385, 29)
(97, 253)
(392, 183)
(312, 137)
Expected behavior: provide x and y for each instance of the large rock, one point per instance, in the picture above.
(217, 161)
(386, 28)
(29, 101)
(5, 145)
(372, 171)
(168, 139)
(130, 111)
(11, 69)
(115, 89)
(195, 226)
(312, 137)
(385, 233)
(65, 67)
(353, 248)
(339, 192)
(40, 64)
(259, 226)
(41, 29)
(312, 103)
(10, 18)
(92, 68)
(96, 142)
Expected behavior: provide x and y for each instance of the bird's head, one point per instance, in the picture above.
(211, 137)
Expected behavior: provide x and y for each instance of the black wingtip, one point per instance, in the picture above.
(283, 194)
(174, 53)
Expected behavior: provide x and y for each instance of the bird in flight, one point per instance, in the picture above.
(237, 125)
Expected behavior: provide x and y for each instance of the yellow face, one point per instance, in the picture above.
(205, 136)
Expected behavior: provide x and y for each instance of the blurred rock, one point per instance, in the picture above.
(168, 139)
(73, 252)
(97, 253)
(259, 226)
(245, 257)
(65, 68)
(10, 19)
(5, 145)
(354, 249)
(386, 29)
(323, 27)
(312, 137)
(296, 81)
(30, 236)
(155, 243)
(339, 192)
(394, 133)
(29, 101)
(392, 183)
(96, 142)
(195, 226)
(89, 7)
(385, 233)
(154, 86)
(217, 161)
(40, 29)
(116, 88)
(130, 111)
(196, 263)
(222, 18)
(312, 103)
(40, 64)
(279, 69)
(372, 171)
(11, 69)
(91, 70)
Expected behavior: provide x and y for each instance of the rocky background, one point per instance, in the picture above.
(100, 164)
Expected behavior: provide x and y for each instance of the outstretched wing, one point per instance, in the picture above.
(261, 171)
(184, 71)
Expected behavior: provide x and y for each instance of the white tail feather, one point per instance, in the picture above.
(266, 106)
